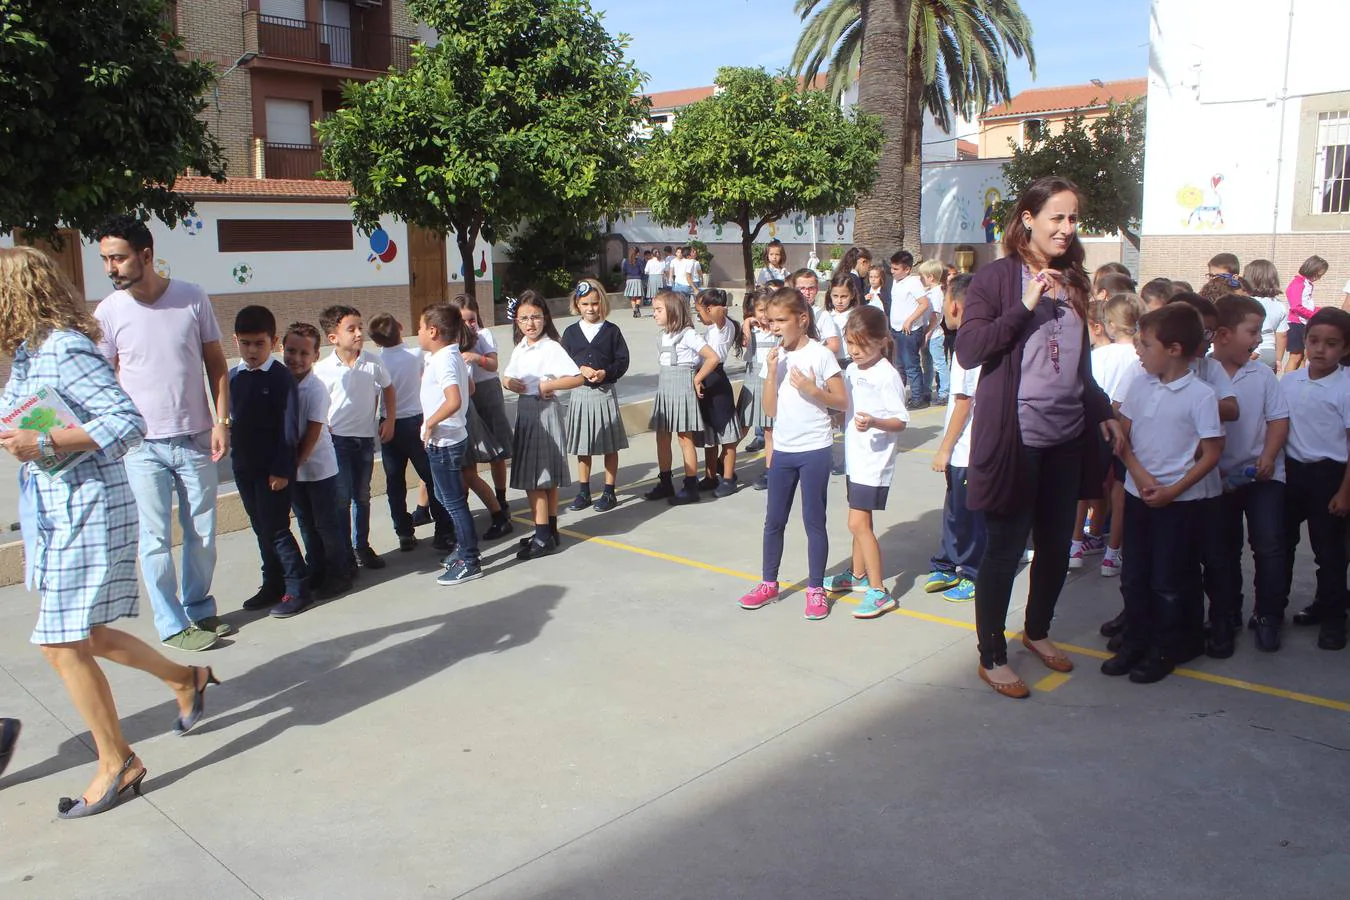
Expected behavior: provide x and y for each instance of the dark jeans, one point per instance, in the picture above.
(1309, 488)
(447, 474)
(1262, 503)
(812, 470)
(269, 512)
(963, 533)
(407, 447)
(1052, 476)
(356, 461)
(320, 509)
(1160, 576)
(909, 359)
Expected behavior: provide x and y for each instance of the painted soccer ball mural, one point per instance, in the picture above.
(242, 273)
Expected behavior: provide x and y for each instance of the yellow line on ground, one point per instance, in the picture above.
(1049, 683)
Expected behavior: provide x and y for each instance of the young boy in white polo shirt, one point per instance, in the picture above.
(356, 382)
(1171, 420)
(1318, 480)
(1252, 468)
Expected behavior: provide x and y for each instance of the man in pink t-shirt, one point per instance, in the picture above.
(161, 335)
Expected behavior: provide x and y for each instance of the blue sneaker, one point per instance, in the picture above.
(875, 602)
(290, 605)
(964, 592)
(847, 581)
(940, 581)
(459, 572)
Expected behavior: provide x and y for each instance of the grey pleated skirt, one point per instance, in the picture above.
(675, 407)
(750, 404)
(483, 443)
(538, 458)
(491, 406)
(632, 287)
(593, 422)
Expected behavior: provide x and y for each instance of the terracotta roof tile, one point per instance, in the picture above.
(967, 149)
(262, 188)
(1068, 97)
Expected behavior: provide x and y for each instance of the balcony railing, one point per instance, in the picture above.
(292, 160)
(331, 45)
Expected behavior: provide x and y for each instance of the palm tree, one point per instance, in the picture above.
(957, 52)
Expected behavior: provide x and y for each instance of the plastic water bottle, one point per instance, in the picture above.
(1237, 479)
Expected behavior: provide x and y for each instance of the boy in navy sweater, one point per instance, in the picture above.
(264, 436)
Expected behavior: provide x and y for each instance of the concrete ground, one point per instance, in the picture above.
(607, 723)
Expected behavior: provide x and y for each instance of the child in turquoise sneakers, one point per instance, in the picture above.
(958, 558)
(876, 416)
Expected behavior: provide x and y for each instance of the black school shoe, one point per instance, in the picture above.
(581, 501)
(1152, 669)
(1331, 635)
(9, 737)
(1268, 630)
(606, 502)
(1122, 663)
(1309, 615)
(687, 494)
(1222, 640)
(534, 548)
(267, 595)
(501, 526)
(1114, 626)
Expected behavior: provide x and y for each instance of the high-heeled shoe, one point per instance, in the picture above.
(183, 724)
(81, 809)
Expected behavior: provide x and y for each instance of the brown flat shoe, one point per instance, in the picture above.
(1053, 663)
(1018, 690)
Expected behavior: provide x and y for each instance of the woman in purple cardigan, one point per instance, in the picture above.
(1035, 449)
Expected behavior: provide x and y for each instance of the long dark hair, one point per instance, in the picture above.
(1016, 238)
(842, 278)
(532, 298)
(719, 297)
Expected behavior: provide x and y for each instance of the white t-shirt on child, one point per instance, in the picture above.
(869, 456)
(683, 349)
(1115, 367)
(1319, 415)
(445, 368)
(1212, 373)
(405, 373)
(544, 360)
(484, 346)
(1168, 421)
(721, 339)
(312, 397)
(825, 326)
(963, 384)
(802, 424)
(1261, 402)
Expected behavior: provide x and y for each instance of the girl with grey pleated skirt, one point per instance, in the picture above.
(594, 425)
(686, 360)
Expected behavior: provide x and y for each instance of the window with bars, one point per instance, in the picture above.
(1331, 173)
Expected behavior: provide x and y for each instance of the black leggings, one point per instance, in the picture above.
(1052, 476)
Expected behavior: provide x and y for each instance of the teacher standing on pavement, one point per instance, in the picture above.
(159, 334)
(79, 526)
(1035, 447)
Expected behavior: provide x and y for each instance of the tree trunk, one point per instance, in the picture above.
(1131, 236)
(882, 91)
(912, 197)
(466, 236)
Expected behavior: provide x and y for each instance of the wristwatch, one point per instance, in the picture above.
(227, 421)
(46, 449)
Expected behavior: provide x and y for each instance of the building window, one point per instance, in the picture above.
(1331, 173)
(278, 235)
(1033, 130)
(288, 122)
(284, 9)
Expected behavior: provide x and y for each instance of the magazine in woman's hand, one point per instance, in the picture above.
(46, 412)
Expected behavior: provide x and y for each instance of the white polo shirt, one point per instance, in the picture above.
(682, 349)
(544, 360)
(721, 340)
(1212, 373)
(963, 384)
(877, 391)
(906, 294)
(312, 406)
(1168, 422)
(1261, 401)
(802, 424)
(486, 345)
(353, 393)
(1115, 368)
(444, 369)
(405, 373)
(1319, 415)
(826, 327)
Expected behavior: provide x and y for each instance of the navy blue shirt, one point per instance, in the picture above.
(608, 352)
(264, 404)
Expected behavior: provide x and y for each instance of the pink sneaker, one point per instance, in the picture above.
(764, 593)
(817, 607)
(1110, 566)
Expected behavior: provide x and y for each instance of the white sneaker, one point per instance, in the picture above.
(1110, 566)
(1076, 555)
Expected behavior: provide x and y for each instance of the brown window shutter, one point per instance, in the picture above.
(282, 235)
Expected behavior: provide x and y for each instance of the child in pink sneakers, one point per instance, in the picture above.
(803, 384)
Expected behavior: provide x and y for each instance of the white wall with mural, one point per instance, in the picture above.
(958, 202)
(1222, 148)
(190, 251)
(794, 228)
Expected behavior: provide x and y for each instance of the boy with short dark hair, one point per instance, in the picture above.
(1223, 264)
(1253, 471)
(1174, 439)
(262, 453)
(1318, 479)
(356, 382)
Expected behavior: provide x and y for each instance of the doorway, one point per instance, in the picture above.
(69, 258)
(427, 272)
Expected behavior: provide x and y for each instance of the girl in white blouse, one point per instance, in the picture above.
(686, 360)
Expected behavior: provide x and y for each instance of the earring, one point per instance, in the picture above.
(1027, 227)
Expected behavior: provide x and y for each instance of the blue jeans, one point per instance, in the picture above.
(269, 512)
(963, 536)
(356, 462)
(447, 474)
(909, 359)
(407, 447)
(320, 510)
(935, 362)
(812, 470)
(158, 470)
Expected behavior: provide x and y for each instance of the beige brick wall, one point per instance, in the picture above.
(1187, 256)
(213, 32)
(401, 20)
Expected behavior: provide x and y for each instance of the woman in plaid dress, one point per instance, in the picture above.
(80, 526)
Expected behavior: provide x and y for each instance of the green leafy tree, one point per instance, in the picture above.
(756, 150)
(524, 107)
(957, 63)
(97, 115)
(1105, 158)
(550, 253)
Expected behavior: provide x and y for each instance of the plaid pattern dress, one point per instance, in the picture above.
(80, 527)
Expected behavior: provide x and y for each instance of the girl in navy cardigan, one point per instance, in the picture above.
(593, 423)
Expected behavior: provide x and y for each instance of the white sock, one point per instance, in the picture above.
(1112, 554)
